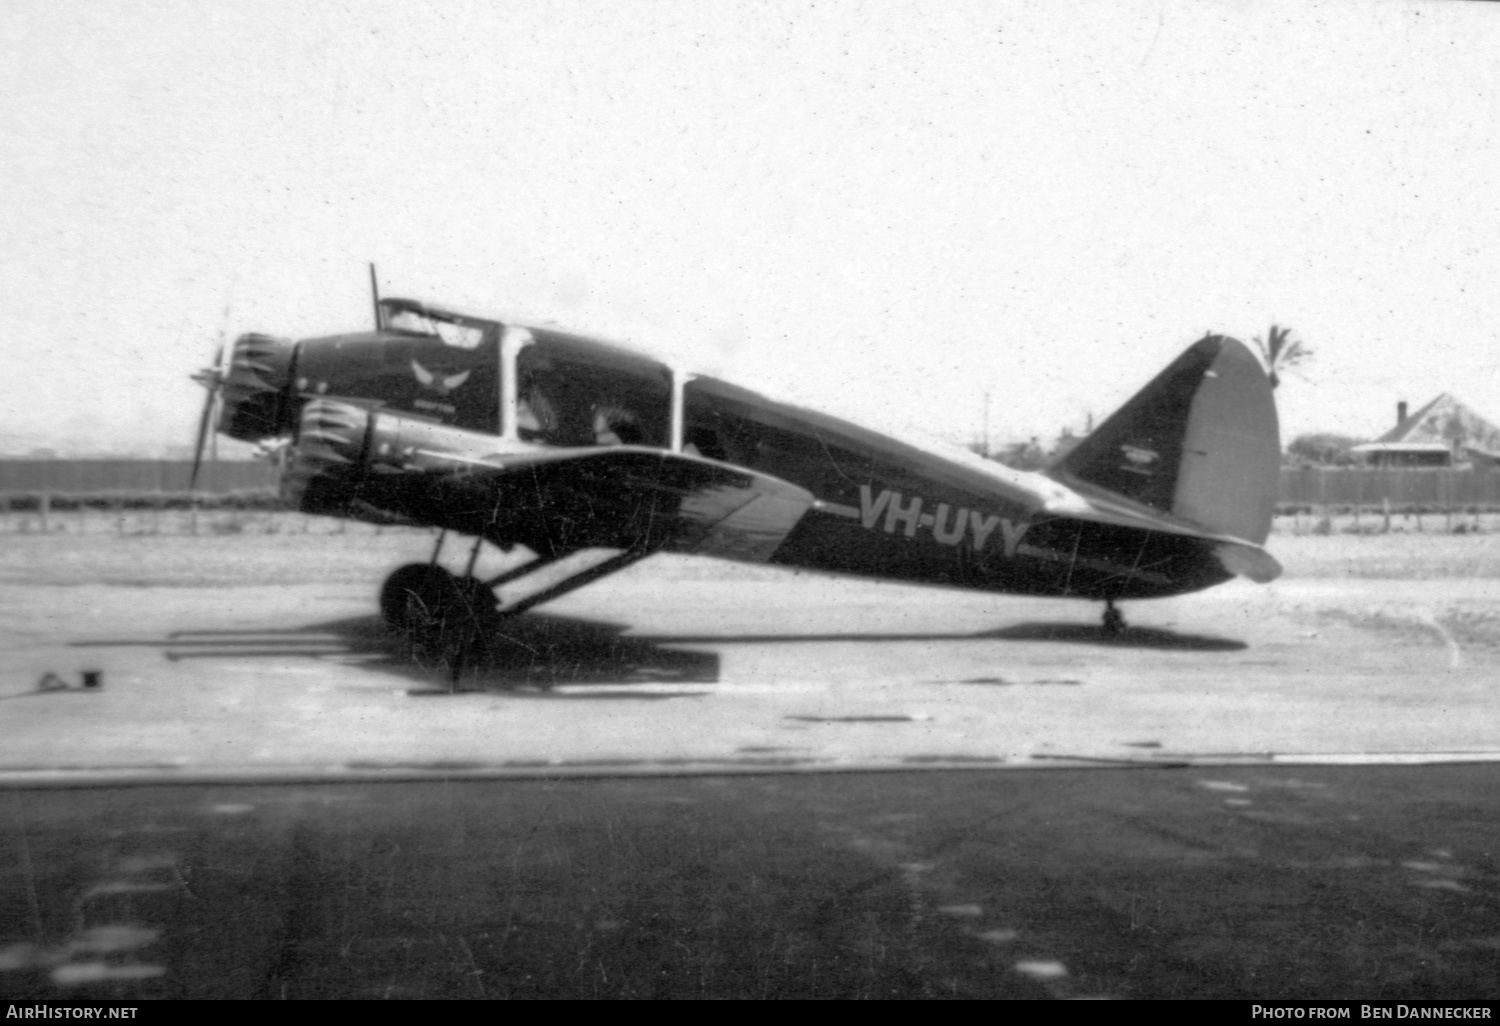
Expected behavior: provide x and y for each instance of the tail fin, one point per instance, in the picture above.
(1201, 442)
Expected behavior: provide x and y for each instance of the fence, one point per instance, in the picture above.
(1435, 489)
(132, 477)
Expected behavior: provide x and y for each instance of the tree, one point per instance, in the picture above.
(1022, 455)
(1280, 352)
(1323, 448)
(1033, 455)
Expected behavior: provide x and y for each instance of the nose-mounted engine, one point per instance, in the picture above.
(249, 395)
(257, 389)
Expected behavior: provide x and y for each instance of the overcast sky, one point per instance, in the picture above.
(885, 209)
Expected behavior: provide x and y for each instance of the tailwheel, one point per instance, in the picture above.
(1114, 620)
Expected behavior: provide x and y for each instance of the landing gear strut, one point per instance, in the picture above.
(1114, 620)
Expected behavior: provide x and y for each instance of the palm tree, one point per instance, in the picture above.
(1280, 352)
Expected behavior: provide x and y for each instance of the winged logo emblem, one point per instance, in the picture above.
(436, 382)
(1140, 458)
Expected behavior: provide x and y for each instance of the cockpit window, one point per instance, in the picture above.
(461, 336)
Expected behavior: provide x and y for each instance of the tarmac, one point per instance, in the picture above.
(668, 784)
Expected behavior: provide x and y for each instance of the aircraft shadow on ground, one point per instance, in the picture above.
(544, 651)
(1067, 633)
(1131, 637)
(534, 651)
(541, 652)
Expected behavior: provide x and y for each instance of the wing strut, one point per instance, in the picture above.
(571, 583)
(457, 613)
(524, 570)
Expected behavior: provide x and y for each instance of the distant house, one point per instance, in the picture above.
(1443, 433)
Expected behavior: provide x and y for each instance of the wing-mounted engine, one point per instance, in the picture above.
(352, 461)
(326, 461)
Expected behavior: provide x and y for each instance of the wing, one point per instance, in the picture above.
(630, 497)
(388, 468)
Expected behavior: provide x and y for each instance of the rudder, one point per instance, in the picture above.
(1201, 441)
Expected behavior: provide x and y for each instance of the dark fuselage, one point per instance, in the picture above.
(884, 508)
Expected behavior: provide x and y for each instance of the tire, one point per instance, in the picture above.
(416, 585)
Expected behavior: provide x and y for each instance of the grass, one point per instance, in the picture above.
(1407, 547)
(1389, 556)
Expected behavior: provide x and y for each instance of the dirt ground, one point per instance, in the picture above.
(701, 779)
(1368, 645)
(177, 548)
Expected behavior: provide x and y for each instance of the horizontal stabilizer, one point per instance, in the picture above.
(1250, 561)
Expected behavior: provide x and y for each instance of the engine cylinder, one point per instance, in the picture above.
(258, 399)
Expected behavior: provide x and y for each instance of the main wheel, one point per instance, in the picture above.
(415, 590)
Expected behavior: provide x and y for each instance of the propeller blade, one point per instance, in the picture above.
(212, 379)
(203, 422)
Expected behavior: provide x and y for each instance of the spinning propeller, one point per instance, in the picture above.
(211, 378)
(261, 366)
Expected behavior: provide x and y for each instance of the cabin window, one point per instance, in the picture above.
(570, 400)
(749, 431)
(703, 441)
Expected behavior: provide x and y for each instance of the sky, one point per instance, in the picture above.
(898, 212)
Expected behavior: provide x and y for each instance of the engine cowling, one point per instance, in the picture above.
(347, 458)
(258, 398)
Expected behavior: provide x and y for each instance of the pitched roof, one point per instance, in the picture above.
(1444, 421)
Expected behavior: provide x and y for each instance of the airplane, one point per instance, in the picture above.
(590, 457)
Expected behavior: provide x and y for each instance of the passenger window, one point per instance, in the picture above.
(615, 425)
(568, 400)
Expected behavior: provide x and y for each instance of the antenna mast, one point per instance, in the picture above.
(986, 423)
(375, 297)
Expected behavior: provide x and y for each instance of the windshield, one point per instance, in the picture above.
(416, 322)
